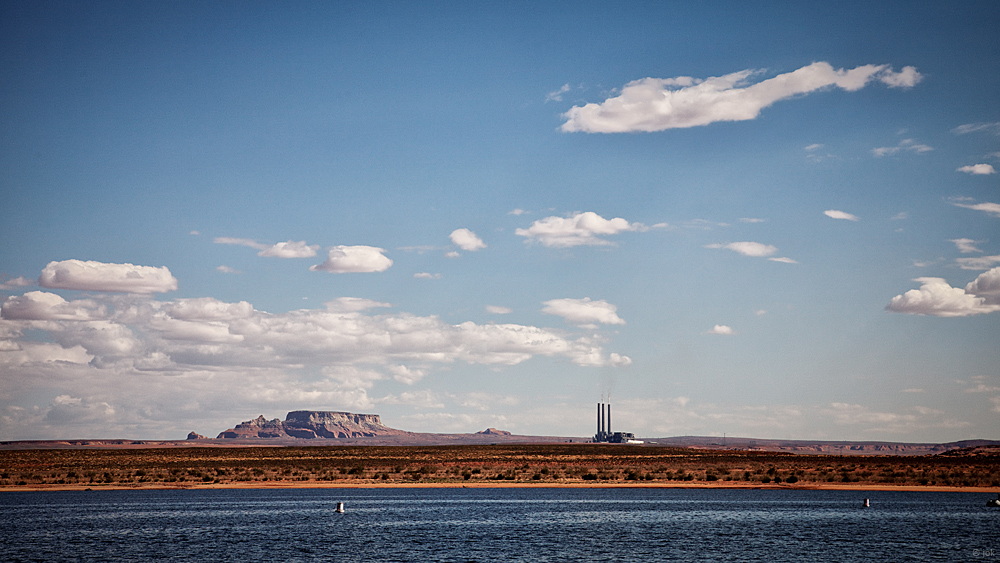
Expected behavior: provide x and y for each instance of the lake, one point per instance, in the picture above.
(507, 524)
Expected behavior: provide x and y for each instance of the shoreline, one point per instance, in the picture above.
(484, 485)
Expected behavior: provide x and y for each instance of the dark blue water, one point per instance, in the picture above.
(497, 525)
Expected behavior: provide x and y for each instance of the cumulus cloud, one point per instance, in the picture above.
(290, 249)
(907, 145)
(657, 104)
(583, 311)
(978, 169)
(498, 310)
(406, 375)
(427, 276)
(746, 248)
(207, 309)
(988, 208)
(141, 335)
(44, 306)
(936, 297)
(354, 259)
(721, 330)
(582, 229)
(15, 283)
(986, 285)
(99, 276)
(466, 240)
(966, 245)
(834, 214)
(69, 410)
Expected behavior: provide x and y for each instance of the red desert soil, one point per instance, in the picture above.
(546, 465)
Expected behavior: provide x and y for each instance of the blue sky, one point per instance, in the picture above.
(775, 220)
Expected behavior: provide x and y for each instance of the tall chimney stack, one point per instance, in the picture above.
(609, 419)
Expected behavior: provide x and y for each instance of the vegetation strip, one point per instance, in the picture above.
(555, 465)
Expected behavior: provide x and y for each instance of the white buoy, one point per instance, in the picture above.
(340, 507)
(867, 504)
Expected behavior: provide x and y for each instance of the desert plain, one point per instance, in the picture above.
(501, 465)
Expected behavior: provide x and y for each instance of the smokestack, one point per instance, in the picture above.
(609, 419)
(599, 418)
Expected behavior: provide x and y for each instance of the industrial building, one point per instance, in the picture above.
(606, 435)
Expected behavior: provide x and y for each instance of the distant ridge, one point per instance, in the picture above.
(311, 425)
(828, 447)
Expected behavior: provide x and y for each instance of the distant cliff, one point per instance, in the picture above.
(313, 424)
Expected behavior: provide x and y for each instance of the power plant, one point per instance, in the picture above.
(607, 436)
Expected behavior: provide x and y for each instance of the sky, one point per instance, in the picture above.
(772, 220)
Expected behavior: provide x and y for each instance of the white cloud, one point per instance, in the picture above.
(67, 411)
(452, 254)
(813, 147)
(467, 240)
(517, 211)
(906, 78)
(580, 229)
(721, 330)
(966, 245)
(784, 260)
(99, 276)
(908, 145)
(427, 276)
(141, 335)
(583, 311)
(240, 242)
(556, 96)
(354, 259)
(746, 248)
(986, 285)
(422, 399)
(44, 306)
(15, 283)
(656, 104)
(290, 249)
(207, 309)
(900, 216)
(988, 208)
(227, 270)
(993, 127)
(978, 169)
(834, 214)
(406, 375)
(751, 220)
(936, 297)
(353, 305)
(978, 262)
(498, 310)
